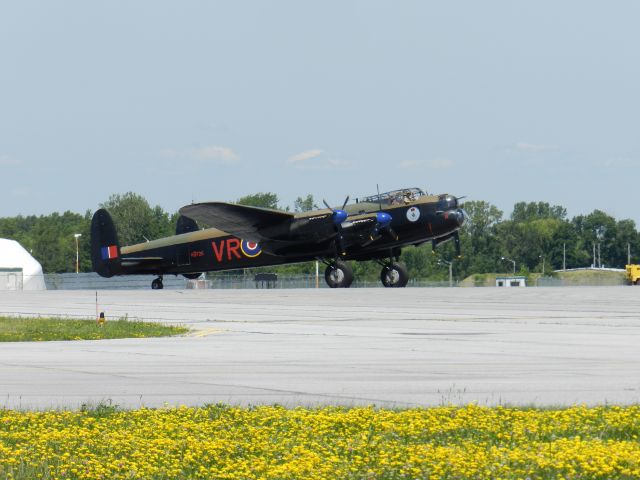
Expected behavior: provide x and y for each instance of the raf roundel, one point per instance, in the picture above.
(413, 214)
(250, 249)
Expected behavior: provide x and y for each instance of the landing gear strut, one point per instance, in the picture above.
(394, 275)
(157, 284)
(338, 274)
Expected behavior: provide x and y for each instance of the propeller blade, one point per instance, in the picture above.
(391, 233)
(338, 216)
(467, 218)
(372, 238)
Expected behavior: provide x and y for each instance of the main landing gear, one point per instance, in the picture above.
(338, 274)
(394, 274)
(157, 284)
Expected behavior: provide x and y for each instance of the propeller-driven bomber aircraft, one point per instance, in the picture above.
(376, 228)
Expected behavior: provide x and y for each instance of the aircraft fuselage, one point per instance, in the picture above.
(377, 227)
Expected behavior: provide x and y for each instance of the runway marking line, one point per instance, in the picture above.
(207, 332)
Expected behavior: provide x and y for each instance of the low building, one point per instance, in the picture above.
(511, 282)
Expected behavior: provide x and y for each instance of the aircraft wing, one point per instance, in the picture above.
(249, 223)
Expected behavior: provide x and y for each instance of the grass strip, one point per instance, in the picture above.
(15, 329)
(225, 442)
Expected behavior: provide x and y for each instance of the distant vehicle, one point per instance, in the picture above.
(376, 227)
(633, 274)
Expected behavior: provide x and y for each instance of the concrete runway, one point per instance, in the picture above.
(392, 348)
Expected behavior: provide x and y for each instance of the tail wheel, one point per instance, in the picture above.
(394, 275)
(338, 275)
(157, 284)
(638, 281)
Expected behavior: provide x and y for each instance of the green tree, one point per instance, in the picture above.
(525, 212)
(478, 240)
(565, 243)
(626, 234)
(50, 239)
(536, 234)
(135, 220)
(261, 199)
(422, 261)
(528, 242)
(483, 218)
(54, 242)
(600, 230)
(304, 204)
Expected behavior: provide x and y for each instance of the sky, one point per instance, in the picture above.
(187, 101)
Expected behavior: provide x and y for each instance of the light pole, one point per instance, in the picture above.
(512, 261)
(77, 236)
(542, 257)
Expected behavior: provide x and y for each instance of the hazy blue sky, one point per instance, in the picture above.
(199, 100)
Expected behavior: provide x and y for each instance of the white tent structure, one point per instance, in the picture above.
(18, 269)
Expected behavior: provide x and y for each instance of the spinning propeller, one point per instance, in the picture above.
(383, 225)
(338, 216)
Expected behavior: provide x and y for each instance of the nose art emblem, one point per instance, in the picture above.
(413, 214)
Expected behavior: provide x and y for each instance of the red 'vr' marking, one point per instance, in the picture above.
(233, 249)
(232, 246)
(217, 250)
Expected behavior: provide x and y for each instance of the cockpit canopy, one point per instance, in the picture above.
(395, 197)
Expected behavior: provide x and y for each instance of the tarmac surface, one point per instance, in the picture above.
(383, 347)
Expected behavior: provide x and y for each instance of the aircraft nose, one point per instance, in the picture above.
(456, 218)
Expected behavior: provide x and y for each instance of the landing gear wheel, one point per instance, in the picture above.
(157, 284)
(394, 275)
(338, 275)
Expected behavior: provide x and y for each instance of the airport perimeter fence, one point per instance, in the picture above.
(582, 282)
(92, 281)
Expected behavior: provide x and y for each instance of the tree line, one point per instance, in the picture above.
(536, 235)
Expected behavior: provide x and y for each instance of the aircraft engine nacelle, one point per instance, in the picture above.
(457, 217)
(368, 229)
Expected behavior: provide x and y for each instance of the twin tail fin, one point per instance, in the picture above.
(105, 248)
